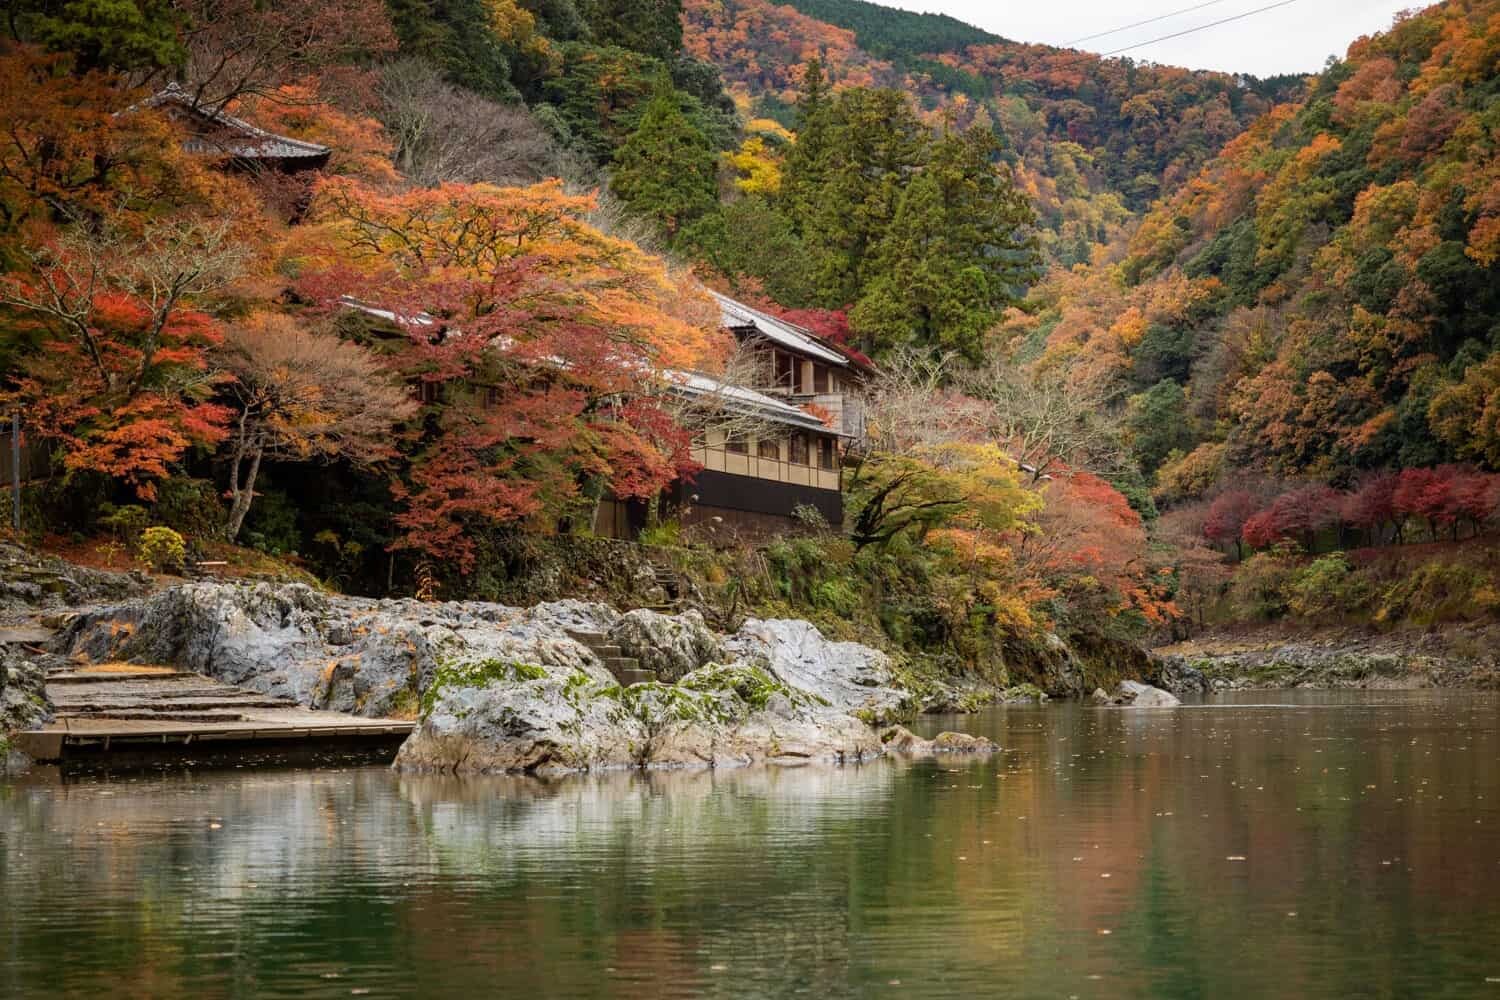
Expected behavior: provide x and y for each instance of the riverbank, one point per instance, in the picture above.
(561, 686)
(1281, 656)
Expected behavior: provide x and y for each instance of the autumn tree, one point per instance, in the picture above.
(542, 342)
(947, 485)
(122, 380)
(302, 396)
(239, 48)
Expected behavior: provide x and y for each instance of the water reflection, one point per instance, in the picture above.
(1327, 845)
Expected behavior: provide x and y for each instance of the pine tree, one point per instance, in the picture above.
(802, 173)
(103, 34)
(666, 170)
(874, 142)
(956, 254)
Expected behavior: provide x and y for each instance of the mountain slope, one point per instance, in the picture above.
(1322, 298)
(1092, 140)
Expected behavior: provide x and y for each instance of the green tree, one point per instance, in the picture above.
(802, 174)
(103, 34)
(653, 27)
(1158, 423)
(752, 237)
(874, 142)
(666, 170)
(957, 254)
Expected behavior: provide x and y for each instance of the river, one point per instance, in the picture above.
(1276, 844)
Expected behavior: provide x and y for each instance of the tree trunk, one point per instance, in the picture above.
(242, 494)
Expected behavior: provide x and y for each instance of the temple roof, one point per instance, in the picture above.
(738, 316)
(223, 134)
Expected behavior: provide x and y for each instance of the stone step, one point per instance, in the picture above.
(613, 663)
(585, 636)
(606, 650)
(113, 677)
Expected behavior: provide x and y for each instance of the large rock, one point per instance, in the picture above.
(541, 720)
(1172, 673)
(506, 689)
(1134, 694)
(899, 739)
(671, 645)
(372, 658)
(23, 695)
(31, 582)
(846, 676)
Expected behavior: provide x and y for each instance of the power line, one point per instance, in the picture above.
(1149, 20)
(1201, 27)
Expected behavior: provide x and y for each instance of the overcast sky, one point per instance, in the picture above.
(1295, 38)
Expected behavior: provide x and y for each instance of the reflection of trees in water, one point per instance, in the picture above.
(954, 873)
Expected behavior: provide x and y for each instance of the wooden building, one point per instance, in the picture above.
(215, 132)
(801, 367)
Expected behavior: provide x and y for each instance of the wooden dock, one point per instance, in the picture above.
(123, 710)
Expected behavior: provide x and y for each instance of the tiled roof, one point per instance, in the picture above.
(737, 315)
(747, 400)
(240, 138)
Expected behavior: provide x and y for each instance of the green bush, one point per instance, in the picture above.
(124, 522)
(1326, 586)
(190, 506)
(162, 549)
(1262, 586)
(1440, 592)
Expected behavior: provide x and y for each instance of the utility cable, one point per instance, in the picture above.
(1149, 20)
(1201, 27)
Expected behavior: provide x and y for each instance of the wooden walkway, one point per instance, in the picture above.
(119, 708)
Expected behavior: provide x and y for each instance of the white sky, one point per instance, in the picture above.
(1295, 38)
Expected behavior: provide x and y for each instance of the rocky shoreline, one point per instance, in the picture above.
(1352, 658)
(494, 689)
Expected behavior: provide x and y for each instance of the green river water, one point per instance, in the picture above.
(1267, 844)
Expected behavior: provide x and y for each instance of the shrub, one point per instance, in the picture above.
(1262, 585)
(124, 522)
(189, 506)
(162, 549)
(1440, 592)
(665, 534)
(1327, 586)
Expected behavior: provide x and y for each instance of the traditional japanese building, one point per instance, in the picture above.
(801, 367)
(215, 132)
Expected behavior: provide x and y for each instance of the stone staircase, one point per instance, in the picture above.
(673, 584)
(626, 669)
(151, 694)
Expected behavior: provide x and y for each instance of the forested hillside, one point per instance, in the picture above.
(1092, 140)
(1307, 330)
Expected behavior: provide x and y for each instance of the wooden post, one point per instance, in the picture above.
(15, 470)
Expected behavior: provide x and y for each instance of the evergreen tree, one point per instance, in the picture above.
(653, 27)
(802, 173)
(103, 34)
(957, 253)
(873, 143)
(666, 170)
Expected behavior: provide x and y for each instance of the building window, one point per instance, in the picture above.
(799, 449)
(768, 449)
(827, 454)
(786, 371)
(820, 379)
(735, 444)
